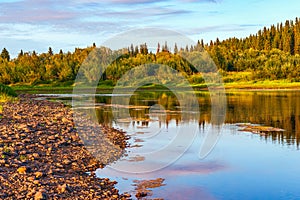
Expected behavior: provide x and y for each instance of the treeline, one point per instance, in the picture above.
(285, 37)
(32, 68)
(272, 53)
(48, 68)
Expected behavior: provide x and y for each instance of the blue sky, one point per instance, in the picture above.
(37, 24)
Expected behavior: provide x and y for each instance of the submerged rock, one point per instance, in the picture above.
(258, 129)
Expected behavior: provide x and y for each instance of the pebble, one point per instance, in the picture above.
(40, 196)
(22, 170)
(38, 174)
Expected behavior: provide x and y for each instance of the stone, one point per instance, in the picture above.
(40, 196)
(22, 170)
(38, 174)
(51, 137)
(63, 188)
(66, 162)
(35, 155)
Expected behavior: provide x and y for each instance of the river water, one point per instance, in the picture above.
(242, 165)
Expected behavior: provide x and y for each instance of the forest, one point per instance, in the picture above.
(273, 53)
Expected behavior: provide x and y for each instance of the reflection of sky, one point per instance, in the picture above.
(258, 170)
(36, 25)
(242, 166)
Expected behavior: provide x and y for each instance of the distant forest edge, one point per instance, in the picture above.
(271, 54)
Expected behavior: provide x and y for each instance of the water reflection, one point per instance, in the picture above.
(271, 108)
(280, 109)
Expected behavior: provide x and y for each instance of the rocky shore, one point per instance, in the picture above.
(43, 157)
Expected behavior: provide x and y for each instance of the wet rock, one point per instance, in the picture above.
(141, 194)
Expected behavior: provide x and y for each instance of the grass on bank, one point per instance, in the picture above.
(243, 85)
(266, 84)
(231, 80)
(7, 93)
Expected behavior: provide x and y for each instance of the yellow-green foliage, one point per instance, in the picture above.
(257, 57)
(230, 77)
(6, 93)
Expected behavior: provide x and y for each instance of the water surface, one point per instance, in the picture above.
(243, 165)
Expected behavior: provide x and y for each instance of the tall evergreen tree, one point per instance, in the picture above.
(158, 48)
(5, 54)
(50, 52)
(297, 37)
(131, 50)
(136, 50)
(175, 49)
(21, 54)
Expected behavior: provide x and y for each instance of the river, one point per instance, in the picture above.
(242, 164)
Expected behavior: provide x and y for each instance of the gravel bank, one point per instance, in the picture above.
(42, 156)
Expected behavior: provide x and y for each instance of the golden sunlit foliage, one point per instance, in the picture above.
(271, 54)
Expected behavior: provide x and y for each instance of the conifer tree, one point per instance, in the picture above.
(175, 49)
(50, 52)
(21, 53)
(5, 54)
(158, 48)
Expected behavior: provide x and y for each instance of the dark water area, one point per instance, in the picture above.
(242, 165)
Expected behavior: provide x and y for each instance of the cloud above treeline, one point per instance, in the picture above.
(56, 10)
(81, 14)
(148, 1)
(70, 23)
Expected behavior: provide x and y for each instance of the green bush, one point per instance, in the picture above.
(7, 91)
(106, 83)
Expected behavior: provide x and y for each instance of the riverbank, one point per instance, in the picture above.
(42, 156)
(240, 85)
(263, 85)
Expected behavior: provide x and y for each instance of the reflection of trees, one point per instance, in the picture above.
(277, 109)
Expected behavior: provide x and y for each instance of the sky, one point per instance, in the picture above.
(65, 24)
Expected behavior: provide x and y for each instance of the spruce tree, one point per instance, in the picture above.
(5, 54)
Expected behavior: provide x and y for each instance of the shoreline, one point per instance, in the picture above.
(236, 86)
(42, 156)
